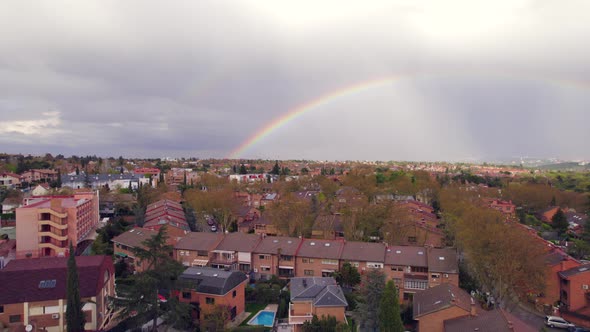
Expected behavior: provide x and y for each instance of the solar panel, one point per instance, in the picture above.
(47, 283)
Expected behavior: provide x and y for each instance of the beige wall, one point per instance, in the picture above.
(434, 322)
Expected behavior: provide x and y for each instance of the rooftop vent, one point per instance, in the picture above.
(441, 258)
(312, 243)
(215, 275)
(47, 283)
(398, 251)
(420, 252)
(275, 241)
(327, 244)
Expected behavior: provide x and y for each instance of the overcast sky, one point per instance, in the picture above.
(470, 79)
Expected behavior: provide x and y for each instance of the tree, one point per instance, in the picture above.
(559, 222)
(139, 294)
(325, 324)
(243, 169)
(74, 315)
(368, 308)
(276, 169)
(348, 276)
(390, 319)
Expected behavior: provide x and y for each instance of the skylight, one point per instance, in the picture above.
(47, 283)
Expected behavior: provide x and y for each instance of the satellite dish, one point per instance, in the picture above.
(29, 328)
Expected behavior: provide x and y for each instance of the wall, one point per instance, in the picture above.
(434, 322)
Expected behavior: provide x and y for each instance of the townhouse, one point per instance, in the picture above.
(315, 296)
(363, 255)
(275, 256)
(208, 289)
(318, 258)
(34, 293)
(39, 175)
(235, 252)
(442, 267)
(47, 224)
(9, 180)
(432, 307)
(195, 248)
(123, 245)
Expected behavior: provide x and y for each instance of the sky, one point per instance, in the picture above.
(371, 80)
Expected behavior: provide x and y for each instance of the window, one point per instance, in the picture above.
(330, 261)
(209, 300)
(416, 284)
(411, 239)
(263, 257)
(286, 258)
(307, 260)
(186, 295)
(14, 318)
(375, 265)
(308, 272)
(265, 268)
(397, 268)
(354, 264)
(419, 269)
(435, 276)
(234, 293)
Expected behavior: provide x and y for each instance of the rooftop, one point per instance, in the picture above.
(440, 297)
(211, 281)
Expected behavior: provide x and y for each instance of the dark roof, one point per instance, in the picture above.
(554, 258)
(487, 321)
(239, 242)
(576, 270)
(272, 244)
(315, 248)
(199, 241)
(134, 237)
(442, 260)
(323, 292)
(406, 256)
(44, 279)
(211, 281)
(363, 251)
(440, 297)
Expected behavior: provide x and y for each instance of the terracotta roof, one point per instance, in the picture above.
(272, 244)
(134, 237)
(316, 248)
(199, 241)
(44, 279)
(363, 251)
(439, 298)
(406, 256)
(239, 242)
(487, 321)
(442, 260)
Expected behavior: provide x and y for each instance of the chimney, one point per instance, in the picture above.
(56, 204)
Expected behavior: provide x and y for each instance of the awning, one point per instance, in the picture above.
(286, 267)
(121, 254)
(329, 271)
(200, 262)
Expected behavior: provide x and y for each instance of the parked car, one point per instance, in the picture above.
(554, 321)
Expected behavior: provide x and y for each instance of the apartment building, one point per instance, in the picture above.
(34, 293)
(39, 175)
(47, 224)
(275, 255)
(124, 243)
(575, 288)
(315, 296)
(9, 180)
(196, 248)
(318, 258)
(235, 252)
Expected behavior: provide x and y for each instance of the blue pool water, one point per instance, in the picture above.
(266, 318)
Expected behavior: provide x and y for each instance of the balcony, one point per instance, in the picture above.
(54, 223)
(54, 236)
(299, 318)
(60, 215)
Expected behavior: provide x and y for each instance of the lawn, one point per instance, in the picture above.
(253, 309)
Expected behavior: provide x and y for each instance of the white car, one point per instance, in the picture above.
(554, 321)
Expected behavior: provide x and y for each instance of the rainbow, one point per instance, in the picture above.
(358, 87)
(308, 107)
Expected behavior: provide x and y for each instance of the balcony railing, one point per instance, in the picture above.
(299, 318)
(54, 236)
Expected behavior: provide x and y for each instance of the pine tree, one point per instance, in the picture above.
(74, 315)
(276, 169)
(243, 169)
(389, 312)
(559, 222)
(368, 309)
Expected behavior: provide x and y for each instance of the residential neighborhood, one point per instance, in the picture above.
(258, 255)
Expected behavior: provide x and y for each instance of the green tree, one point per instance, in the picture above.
(276, 169)
(74, 315)
(138, 294)
(390, 319)
(368, 307)
(559, 222)
(243, 169)
(348, 276)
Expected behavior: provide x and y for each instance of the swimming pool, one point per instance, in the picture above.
(263, 317)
